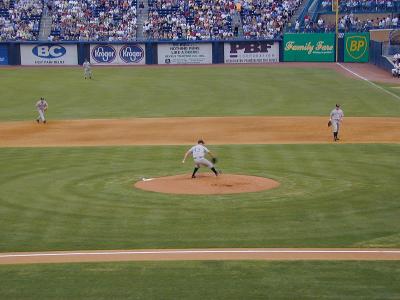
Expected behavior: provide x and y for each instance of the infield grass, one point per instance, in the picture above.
(83, 198)
(203, 280)
(188, 91)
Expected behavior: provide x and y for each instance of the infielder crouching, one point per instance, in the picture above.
(396, 70)
(199, 152)
(41, 107)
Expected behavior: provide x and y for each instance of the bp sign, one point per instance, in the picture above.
(356, 47)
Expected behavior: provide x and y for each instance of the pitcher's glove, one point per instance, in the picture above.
(214, 160)
(329, 123)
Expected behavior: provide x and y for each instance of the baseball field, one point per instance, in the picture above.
(330, 229)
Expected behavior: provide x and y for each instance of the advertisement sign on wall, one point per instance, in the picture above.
(195, 53)
(128, 54)
(3, 55)
(251, 52)
(49, 54)
(309, 47)
(356, 47)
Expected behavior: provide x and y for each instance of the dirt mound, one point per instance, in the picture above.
(206, 184)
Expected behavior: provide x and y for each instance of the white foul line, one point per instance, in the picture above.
(370, 82)
(196, 251)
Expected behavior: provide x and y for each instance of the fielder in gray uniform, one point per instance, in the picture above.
(336, 118)
(198, 152)
(41, 107)
(87, 69)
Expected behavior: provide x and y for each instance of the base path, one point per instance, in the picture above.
(199, 254)
(185, 131)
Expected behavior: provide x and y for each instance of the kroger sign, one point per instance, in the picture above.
(131, 53)
(117, 54)
(103, 53)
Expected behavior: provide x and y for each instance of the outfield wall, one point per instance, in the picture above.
(304, 47)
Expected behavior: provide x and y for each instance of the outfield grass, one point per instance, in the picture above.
(188, 91)
(83, 198)
(203, 280)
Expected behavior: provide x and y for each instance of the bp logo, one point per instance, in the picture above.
(356, 46)
(103, 53)
(131, 53)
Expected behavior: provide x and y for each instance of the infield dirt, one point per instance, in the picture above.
(185, 131)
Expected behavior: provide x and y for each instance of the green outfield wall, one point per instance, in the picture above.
(309, 47)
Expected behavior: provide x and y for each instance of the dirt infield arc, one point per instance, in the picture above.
(185, 130)
(199, 254)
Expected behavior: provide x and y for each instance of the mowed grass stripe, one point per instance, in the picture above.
(189, 91)
(83, 198)
(203, 280)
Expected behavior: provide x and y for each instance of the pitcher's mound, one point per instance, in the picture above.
(206, 184)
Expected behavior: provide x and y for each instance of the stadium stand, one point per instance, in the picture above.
(20, 19)
(266, 19)
(207, 19)
(189, 19)
(355, 15)
(100, 20)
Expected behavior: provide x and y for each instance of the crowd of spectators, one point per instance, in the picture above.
(212, 19)
(100, 20)
(350, 23)
(189, 19)
(362, 5)
(20, 19)
(265, 19)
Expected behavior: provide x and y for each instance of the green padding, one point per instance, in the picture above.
(309, 47)
(356, 47)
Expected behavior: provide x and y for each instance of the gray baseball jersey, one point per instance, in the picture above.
(198, 152)
(337, 114)
(41, 105)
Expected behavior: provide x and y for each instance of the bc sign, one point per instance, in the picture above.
(117, 54)
(49, 51)
(49, 54)
(3, 55)
(356, 47)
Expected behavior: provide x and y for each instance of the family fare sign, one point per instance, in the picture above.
(309, 47)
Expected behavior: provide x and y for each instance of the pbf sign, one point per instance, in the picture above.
(252, 52)
(356, 47)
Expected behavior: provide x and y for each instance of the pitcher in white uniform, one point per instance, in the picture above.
(336, 118)
(41, 107)
(199, 152)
